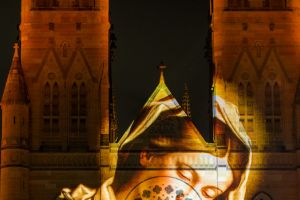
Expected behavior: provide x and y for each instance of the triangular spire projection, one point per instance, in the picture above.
(186, 101)
(162, 92)
(15, 90)
(161, 104)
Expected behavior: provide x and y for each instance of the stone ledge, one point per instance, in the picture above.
(65, 160)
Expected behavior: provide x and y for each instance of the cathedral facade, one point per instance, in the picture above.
(255, 51)
(55, 104)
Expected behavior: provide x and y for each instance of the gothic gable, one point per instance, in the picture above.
(51, 65)
(244, 64)
(79, 66)
(273, 64)
(52, 59)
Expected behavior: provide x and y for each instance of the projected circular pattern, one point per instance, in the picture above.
(163, 188)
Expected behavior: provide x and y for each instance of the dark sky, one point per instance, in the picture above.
(147, 32)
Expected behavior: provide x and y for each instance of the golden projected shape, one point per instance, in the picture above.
(163, 141)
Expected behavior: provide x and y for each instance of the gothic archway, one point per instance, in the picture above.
(262, 196)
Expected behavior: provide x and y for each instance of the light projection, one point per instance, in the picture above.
(163, 156)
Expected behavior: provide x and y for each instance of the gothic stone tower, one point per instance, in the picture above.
(256, 52)
(55, 140)
(14, 146)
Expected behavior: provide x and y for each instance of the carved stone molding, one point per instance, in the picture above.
(65, 160)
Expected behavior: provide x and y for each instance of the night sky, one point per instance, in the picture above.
(147, 32)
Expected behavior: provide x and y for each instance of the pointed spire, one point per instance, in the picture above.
(162, 66)
(161, 90)
(16, 64)
(15, 90)
(16, 48)
(186, 101)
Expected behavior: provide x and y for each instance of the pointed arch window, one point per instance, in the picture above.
(245, 99)
(74, 100)
(249, 99)
(78, 114)
(246, 107)
(268, 99)
(273, 110)
(82, 100)
(47, 99)
(82, 108)
(51, 109)
(277, 106)
(55, 100)
(241, 100)
(262, 196)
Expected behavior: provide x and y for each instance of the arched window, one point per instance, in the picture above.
(249, 99)
(74, 99)
(78, 115)
(55, 100)
(241, 99)
(245, 99)
(262, 196)
(82, 108)
(277, 106)
(50, 110)
(268, 99)
(55, 109)
(47, 99)
(74, 110)
(273, 111)
(82, 100)
(246, 107)
(47, 109)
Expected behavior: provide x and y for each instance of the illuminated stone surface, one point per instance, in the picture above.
(256, 43)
